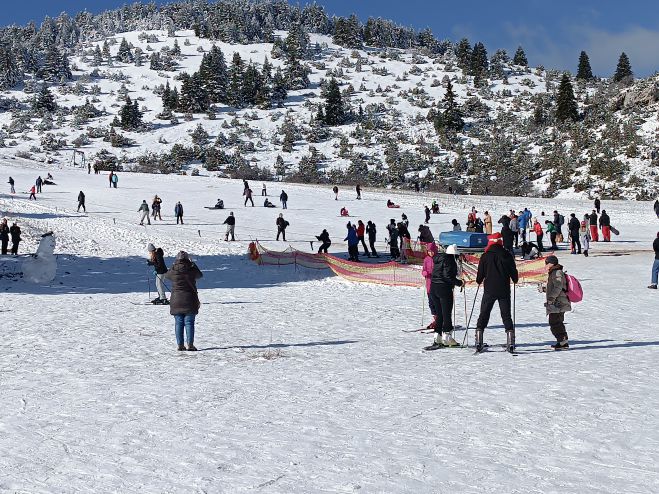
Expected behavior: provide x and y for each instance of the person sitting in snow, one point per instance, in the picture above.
(219, 204)
(268, 204)
(435, 207)
(344, 212)
(529, 251)
(456, 225)
(391, 204)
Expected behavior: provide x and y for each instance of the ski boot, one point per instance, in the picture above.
(510, 341)
(561, 345)
(447, 340)
(436, 344)
(164, 301)
(156, 301)
(479, 340)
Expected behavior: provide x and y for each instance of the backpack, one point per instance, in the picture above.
(574, 291)
(561, 220)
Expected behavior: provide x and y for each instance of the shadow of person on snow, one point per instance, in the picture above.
(281, 345)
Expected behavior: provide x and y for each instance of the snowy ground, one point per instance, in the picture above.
(306, 383)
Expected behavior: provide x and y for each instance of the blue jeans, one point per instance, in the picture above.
(187, 321)
(655, 272)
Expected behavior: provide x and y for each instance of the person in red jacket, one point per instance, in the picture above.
(361, 229)
(33, 193)
(537, 228)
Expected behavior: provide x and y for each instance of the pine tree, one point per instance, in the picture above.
(235, 88)
(213, 72)
(520, 57)
(264, 92)
(44, 101)
(450, 119)
(106, 50)
(497, 63)
(334, 111)
(193, 97)
(566, 104)
(176, 49)
(251, 82)
(130, 116)
(199, 136)
(124, 54)
(584, 71)
(478, 64)
(55, 66)
(463, 54)
(297, 74)
(624, 69)
(10, 73)
(348, 33)
(98, 57)
(279, 89)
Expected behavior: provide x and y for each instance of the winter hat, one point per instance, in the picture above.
(182, 255)
(151, 248)
(551, 260)
(432, 248)
(494, 239)
(452, 250)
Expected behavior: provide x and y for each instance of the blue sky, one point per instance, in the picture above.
(552, 32)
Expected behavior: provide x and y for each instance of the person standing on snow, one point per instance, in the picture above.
(496, 269)
(507, 234)
(425, 235)
(597, 204)
(178, 212)
(655, 265)
(426, 272)
(157, 260)
(184, 298)
(358, 189)
(282, 224)
(605, 225)
(247, 192)
(326, 242)
(393, 240)
(33, 193)
(38, 183)
(514, 227)
(353, 243)
(656, 206)
(335, 189)
(156, 206)
(361, 230)
(557, 303)
(264, 191)
(15, 233)
(144, 208)
(283, 197)
(371, 231)
(13, 191)
(558, 221)
(584, 238)
(427, 211)
(594, 233)
(551, 230)
(230, 222)
(115, 180)
(405, 238)
(443, 280)
(522, 221)
(487, 220)
(4, 236)
(110, 178)
(81, 201)
(537, 228)
(574, 227)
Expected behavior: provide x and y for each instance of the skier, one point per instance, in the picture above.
(178, 212)
(655, 265)
(115, 180)
(144, 208)
(426, 272)
(335, 189)
(557, 303)
(81, 201)
(427, 211)
(487, 220)
(496, 270)
(283, 197)
(326, 242)
(605, 225)
(371, 231)
(230, 222)
(38, 183)
(264, 191)
(184, 298)
(282, 224)
(358, 189)
(15, 233)
(551, 230)
(425, 235)
(353, 243)
(434, 207)
(393, 240)
(4, 235)
(361, 230)
(456, 225)
(537, 228)
(156, 206)
(11, 186)
(248, 196)
(597, 204)
(584, 238)
(33, 193)
(444, 280)
(89, 168)
(594, 233)
(574, 227)
(157, 260)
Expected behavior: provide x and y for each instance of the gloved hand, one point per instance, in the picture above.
(459, 283)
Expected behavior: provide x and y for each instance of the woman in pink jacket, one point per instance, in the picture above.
(428, 266)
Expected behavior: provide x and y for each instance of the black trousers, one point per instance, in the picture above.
(539, 240)
(324, 247)
(366, 252)
(353, 252)
(576, 243)
(552, 236)
(442, 299)
(557, 326)
(179, 218)
(371, 243)
(14, 247)
(487, 304)
(4, 246)
(282, 233)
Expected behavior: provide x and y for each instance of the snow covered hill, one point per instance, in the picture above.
(305, 382)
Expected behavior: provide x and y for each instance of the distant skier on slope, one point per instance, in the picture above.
(335, 189)
(157, 260)
(283, 197)
(12, 190)
(427, 211)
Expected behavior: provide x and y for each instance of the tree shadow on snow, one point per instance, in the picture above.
(125, 275)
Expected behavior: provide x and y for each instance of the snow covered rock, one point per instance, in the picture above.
(42, 267)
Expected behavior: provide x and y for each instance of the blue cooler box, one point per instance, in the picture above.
(467, 240)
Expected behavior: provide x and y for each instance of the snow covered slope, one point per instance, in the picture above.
(304, 382)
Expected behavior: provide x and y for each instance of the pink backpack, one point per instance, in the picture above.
(574, 291)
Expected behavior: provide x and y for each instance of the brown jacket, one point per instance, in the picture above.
(184, 298)
(557, 300)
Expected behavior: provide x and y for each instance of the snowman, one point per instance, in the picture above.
(42, 267)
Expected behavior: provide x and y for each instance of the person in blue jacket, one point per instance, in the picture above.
(523, 222)
(353, 243)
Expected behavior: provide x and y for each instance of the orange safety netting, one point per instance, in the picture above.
(388, 273)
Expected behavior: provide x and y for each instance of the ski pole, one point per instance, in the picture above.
(148, 281)
(471, 314)
(514, 290)
(423, 306)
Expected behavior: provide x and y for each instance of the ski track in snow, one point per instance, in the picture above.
(305, 382)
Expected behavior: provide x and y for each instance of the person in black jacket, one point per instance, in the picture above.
(655, 266)
(605, 225)
(597, 204)
(425, 235)
(656, 206)
(4, 236)
(15, 233)
(507, 235)
(574, 226)
(405, 237)
(427, 211)
(230, 222)
(184, 298)
(594, 232)
(496, 270)
(326, 242)
(282, 224)
(371, 231)
(157, 260)
(81, 201)
(444, 280)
